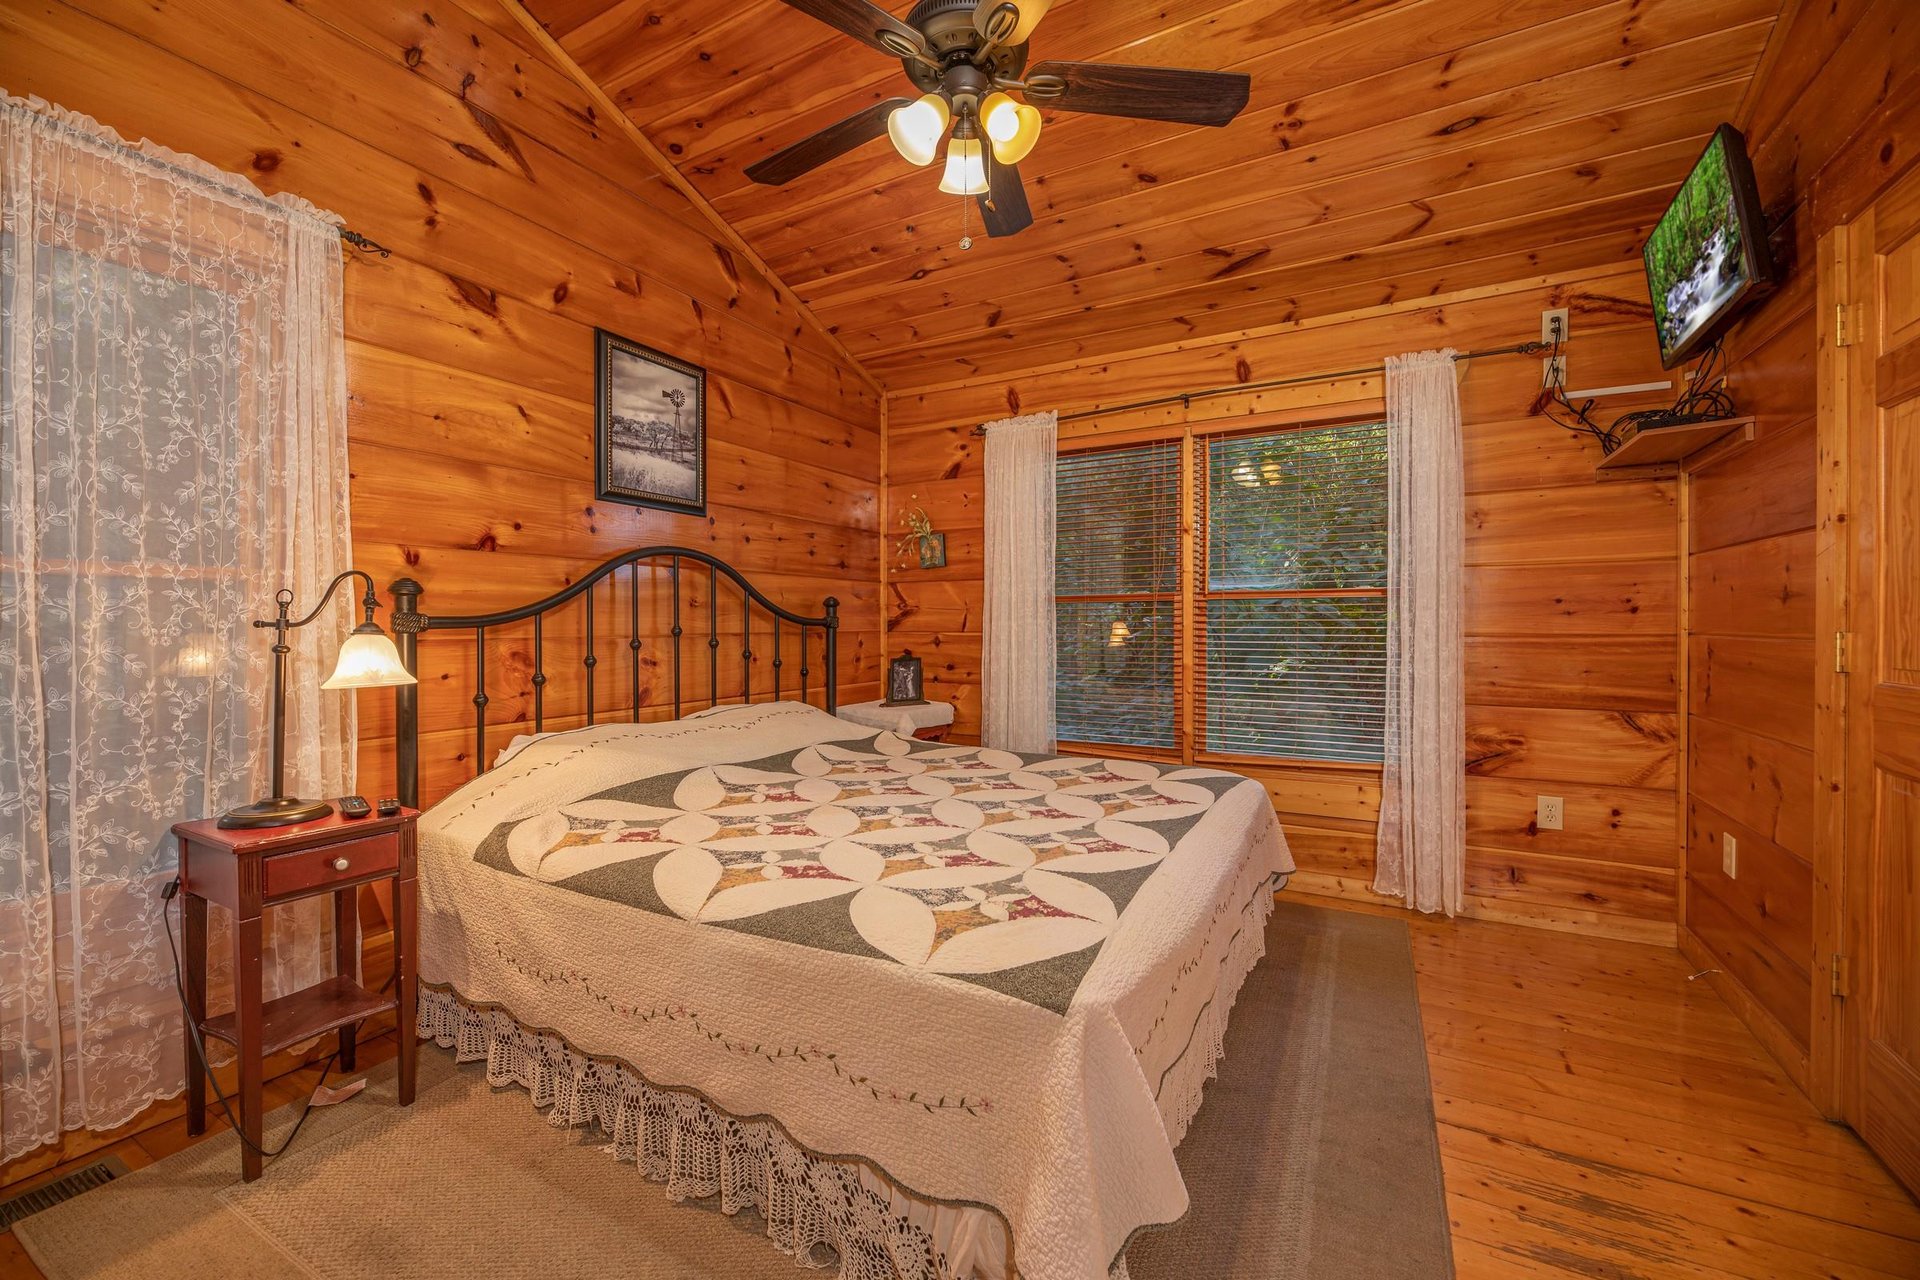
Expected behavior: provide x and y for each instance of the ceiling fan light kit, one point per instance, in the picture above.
(966, 173)
(916, 129)
(968, 59)
(1012, 127)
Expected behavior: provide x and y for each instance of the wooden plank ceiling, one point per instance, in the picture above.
(1393, 149)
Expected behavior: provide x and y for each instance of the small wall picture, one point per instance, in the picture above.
(933, 551)
(651, 436)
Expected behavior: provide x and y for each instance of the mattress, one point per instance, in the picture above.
(992, 981)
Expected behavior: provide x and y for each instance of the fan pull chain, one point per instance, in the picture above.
(966, 241)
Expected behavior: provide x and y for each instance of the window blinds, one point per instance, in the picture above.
(1292, 613)
(1116, 593)
(1289, 595)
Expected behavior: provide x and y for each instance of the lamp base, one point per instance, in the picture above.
(283, 811)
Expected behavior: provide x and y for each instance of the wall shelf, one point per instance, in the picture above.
(1664, 452)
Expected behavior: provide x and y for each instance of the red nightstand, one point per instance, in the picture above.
(247, 871)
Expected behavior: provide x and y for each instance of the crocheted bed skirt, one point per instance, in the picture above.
(810, 1203)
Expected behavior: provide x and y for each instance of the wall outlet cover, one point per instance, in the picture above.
(1550, 813)
(1729, 855)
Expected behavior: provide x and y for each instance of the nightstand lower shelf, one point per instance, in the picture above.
(325, 1006)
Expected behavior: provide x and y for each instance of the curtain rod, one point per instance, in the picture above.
(359, 241)
(1188, 397)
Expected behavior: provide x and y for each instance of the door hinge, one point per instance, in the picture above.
(1837, 972)
(1842, 652)
(1841, 335)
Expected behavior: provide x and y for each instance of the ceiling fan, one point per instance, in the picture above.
(969, 60)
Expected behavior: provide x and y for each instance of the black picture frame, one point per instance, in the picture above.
(644, 459)
(906, 682)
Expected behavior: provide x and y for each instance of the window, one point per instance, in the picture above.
(1287, 595)
(1294, 613)
(1116, 595)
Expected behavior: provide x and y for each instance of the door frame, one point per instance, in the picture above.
(1848, 315)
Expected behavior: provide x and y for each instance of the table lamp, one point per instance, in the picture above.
(368, 660)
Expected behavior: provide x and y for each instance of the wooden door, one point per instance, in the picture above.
(1879, 541)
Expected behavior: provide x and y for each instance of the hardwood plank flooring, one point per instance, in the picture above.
(1601, 1116)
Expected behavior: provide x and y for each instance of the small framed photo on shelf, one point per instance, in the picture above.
(906, 682)
(650, 427)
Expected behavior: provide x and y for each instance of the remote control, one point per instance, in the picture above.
(390, 806)
(354, 807)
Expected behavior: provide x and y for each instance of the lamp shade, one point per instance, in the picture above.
(1012, 127)
(1120, 633)
(1012, 20)
(368, 660)
(1265, 473)
(966, 173)
(916, 129)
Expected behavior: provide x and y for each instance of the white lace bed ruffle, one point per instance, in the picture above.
(696, 1150)
(1183, 1089)
(807, 1201)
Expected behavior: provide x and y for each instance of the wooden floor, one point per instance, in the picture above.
(1600, 1116)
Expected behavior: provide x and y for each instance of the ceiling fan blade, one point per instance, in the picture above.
(1004, 208)
(830, 143)
(869, 24)
(1143, 93)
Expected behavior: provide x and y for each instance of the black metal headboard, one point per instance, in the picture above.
(409, 622)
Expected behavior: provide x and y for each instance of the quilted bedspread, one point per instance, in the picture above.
(969, 968)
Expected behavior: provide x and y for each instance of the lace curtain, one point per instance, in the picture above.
(1017, 658)
(172, 451)
(1421, 856)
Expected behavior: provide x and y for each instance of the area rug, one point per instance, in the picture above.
(1314, 1155)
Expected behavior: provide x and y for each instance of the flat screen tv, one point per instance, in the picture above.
(1707, 258)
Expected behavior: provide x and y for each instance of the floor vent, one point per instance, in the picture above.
(49, 1194)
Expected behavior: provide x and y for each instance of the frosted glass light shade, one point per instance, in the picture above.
(1013, 127)
(368, 660)
(916, 129)
(1029, 14)
(966, 169)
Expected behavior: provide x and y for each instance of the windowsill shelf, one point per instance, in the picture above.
(1666, 452)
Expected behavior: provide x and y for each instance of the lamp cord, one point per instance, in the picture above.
(167, 895)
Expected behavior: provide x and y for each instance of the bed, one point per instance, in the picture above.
(944, 1009)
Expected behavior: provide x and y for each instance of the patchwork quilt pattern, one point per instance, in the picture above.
(1004, 870)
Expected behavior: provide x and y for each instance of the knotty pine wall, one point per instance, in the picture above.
(518, 222)
(1572, 588)
(1830, 120)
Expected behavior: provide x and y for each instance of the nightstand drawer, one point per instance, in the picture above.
(287, 874)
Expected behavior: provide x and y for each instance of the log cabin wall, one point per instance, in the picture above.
(519, 220)
(1572, 588)
(1830, 120)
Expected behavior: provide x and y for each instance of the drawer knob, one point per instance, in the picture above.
(340, 864)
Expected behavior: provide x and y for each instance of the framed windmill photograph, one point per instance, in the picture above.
(651, 427)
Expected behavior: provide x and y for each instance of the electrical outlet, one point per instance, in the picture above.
(1729, 855)
(1549, 813)
(1555, 325)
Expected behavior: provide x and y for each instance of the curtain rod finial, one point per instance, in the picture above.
(359, 241)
